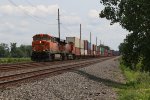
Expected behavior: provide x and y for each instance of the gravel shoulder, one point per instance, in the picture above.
(95, 82)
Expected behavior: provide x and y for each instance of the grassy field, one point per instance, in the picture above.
(14, 60)
(137, 86)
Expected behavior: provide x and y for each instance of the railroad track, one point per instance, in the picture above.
(20, 66)
(31, 65)
(22, 77)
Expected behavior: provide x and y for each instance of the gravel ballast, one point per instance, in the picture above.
(95, 82)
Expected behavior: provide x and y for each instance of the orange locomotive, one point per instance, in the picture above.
(46, 47)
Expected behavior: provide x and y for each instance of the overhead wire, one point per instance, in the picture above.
(29, 3)
(63, 26)
(37, 18)
(28, 14)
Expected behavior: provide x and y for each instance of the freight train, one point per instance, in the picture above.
(46, 48)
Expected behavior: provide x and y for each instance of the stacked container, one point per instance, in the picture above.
(89, 48)
(110, 53)
(98, 51)
(85, 47)
(94, 49)
(82, 47)
(76, 42)
(105, 52)
(102, 50)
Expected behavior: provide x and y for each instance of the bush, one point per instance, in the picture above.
(137, 85)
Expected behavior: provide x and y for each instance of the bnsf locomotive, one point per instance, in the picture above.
(47, 48)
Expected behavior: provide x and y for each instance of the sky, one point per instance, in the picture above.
(21, 19)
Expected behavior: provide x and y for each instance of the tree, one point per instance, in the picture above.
(22, 51)
(13, 51)
(4, 50)
(133, 15)
(26, 49)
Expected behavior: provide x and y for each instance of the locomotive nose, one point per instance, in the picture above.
(40, 46)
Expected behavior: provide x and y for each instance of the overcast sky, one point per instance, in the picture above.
(21, 19)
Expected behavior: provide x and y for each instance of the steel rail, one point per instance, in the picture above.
(6, 80)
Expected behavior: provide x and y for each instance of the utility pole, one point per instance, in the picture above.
(96, 41)
(90, 37)
(100, 42)
(58, 24)
(80, 39)
(91, 43)
(80, 31)
(96, 44)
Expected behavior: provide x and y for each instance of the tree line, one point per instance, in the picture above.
(23, 51)
(134, 16)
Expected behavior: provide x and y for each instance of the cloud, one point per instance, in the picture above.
(93, 14)
(71, 19)
(38, 10)
(18, 26)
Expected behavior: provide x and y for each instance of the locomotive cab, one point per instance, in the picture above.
(41, 42)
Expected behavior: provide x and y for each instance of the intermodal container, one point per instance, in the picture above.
(89, 46)
(74, 40)
(102, 51)
(82, 52)
(110, 53)
(94, 47)
(68, 48)
(106, 52)
(89, 52)
(76, 51)
(94, 52)
(85, 45)
(98, 48)
(116, 53)
(85, 52)
(82, 44)
(98, 53)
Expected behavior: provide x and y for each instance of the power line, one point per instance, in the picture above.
(27, 13)
(32, 4)
(57, 19)
(64, 27)
(35, 7)
(29, 3)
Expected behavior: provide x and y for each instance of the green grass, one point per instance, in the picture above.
(137, 85)
(14, 60)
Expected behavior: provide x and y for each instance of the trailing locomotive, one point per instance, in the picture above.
(47, 48)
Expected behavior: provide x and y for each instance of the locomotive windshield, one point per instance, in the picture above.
(41, 37)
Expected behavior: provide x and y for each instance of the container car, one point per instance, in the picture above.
(46, 48)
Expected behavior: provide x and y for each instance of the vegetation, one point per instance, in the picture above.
(14, 54)
(137, 86)
(14, 60)
(134, 16)
(24, 51)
